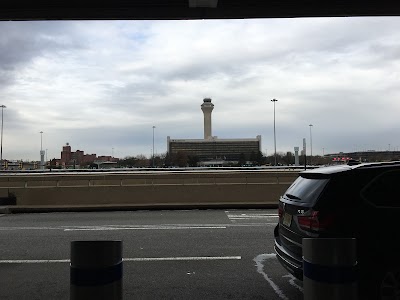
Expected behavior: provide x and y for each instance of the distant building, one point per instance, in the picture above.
(55, 163)
(66, 154)
(20, 165)
(365, 156)
(12, 165)
(79, 158)
(212, 148)
(89, 158)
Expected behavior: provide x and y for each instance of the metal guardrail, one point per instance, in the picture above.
(26, 185)
(152, 170)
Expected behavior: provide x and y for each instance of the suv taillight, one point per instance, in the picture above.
(314, 221)
(280, 212)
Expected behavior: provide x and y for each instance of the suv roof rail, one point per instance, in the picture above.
(376, 164)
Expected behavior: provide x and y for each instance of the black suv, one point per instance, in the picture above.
(360, 201)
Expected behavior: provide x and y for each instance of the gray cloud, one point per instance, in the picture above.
(21, 42)
(102, 85)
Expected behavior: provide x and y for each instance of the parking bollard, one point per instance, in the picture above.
(329, 269)
(96, 270)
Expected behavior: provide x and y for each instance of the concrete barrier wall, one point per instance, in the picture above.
(255, 187)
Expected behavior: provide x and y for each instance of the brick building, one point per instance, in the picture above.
(79, 158)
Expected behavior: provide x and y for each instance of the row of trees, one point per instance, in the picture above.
(182, 159)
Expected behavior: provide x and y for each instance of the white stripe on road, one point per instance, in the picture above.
(29, 228)
(115, 227)
(275, 213)
(33, 261)
(103, 228)
(184, 258)
(240, 218)
(141, 227)
(253, 215)
(189, 258)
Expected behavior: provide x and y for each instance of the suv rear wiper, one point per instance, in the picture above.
(292, 197)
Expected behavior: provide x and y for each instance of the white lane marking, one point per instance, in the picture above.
(251, 218)
(233, 216)
(33, 261)
(253, 215)
(230, 212)
(259, 259)
(163, 225)
(143, 227)
(103, 228)
(255, 211)
(115, 227)
(29, 228)
(184, 258)
(137, 259)
(292, 283)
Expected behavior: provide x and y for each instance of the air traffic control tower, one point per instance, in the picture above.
(211, 148)
(207, 107)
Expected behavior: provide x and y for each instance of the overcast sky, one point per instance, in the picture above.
(102, 85)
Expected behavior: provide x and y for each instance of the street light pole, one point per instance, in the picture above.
(310, 143)
(153, 144)
(41, 151)
(274, 100)
(41, 140)
(1, 147)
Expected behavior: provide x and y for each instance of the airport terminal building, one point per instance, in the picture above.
(216, 149)
(212, 148)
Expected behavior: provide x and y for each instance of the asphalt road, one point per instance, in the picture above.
(194, 254)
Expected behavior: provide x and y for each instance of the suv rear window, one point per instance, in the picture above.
(383, 190)
(306, 190)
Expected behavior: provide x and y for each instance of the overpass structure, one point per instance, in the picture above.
(192, 9)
